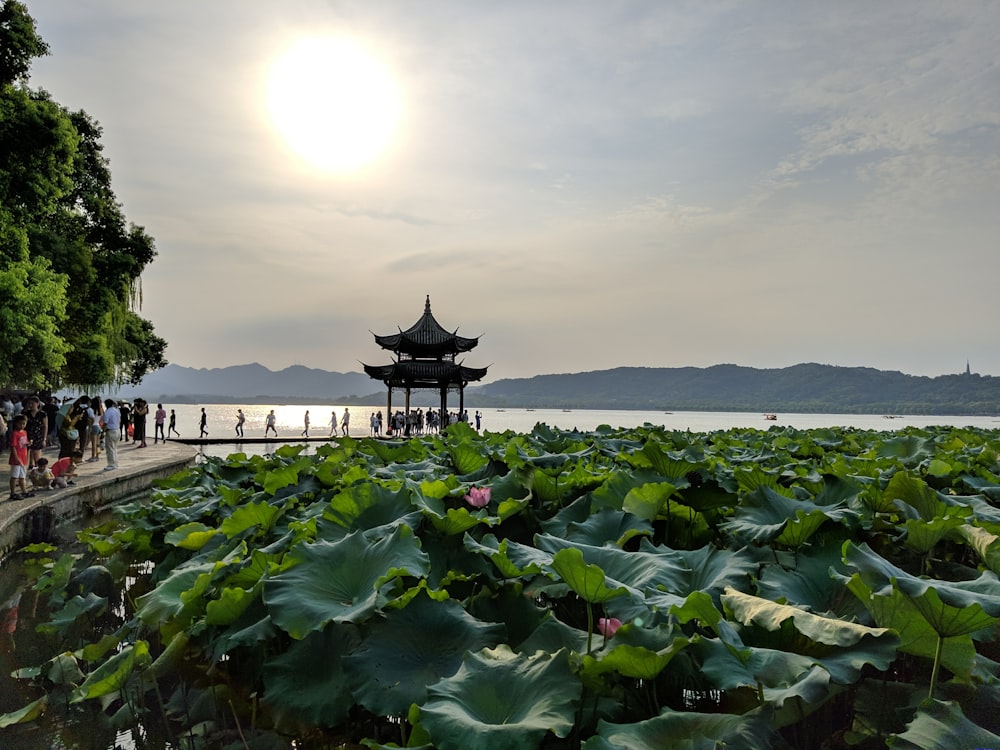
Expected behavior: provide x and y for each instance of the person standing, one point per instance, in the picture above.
(159, 418)
(51, 410)
(305, 432)
(172, 427)
(269, 424)
(240, 419)
(345, 421)
(203, 423)
(112, 427)
(37, 428)
(18, 458)
(96, 412)
(139, 411)
(479, 420)
(126, 422)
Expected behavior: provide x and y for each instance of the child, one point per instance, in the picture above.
(19, 458)
(64, 470)
(40, 474)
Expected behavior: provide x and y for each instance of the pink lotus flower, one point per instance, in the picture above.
(478, 498)
(608, 626)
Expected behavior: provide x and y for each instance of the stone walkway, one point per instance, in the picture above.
(30, 519)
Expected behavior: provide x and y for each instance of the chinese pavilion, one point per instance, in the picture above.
(425, 359)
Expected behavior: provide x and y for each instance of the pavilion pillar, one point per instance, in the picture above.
(461, 401)
(444, 406)
(388, 409)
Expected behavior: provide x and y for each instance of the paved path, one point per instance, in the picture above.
(26, 520)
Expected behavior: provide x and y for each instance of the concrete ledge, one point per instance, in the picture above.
(34, 519)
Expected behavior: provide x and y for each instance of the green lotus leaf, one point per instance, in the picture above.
(588, 581)
(647, 501)
(340, 581)
(191, 536)
(412, 648)
(466, 456)
(707, 569)
(307, 683)
(275, 478)
(637, 662)
(500, 700)
(922, 535)
(551, 635)
(916, 636)
(988, 487)
(951, 608)
(77, 609)
(910, 450)
(809, 584)
(607, 526)
(497, 553)
(763, 515)
(261, 515)
(913, 491)
(985, 543)
(64, 669)
(365, 506)
(769, 615)
(231, 603)
(113, 674)
(687, 730)
(32, 711)
(941, 725)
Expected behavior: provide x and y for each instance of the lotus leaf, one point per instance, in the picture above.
(112, 675)
(687, 730)
(412, 648)
(306, 683)
(940, 725)
(339, 581)
(500, 700)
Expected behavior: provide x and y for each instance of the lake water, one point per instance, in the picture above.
(290, 420)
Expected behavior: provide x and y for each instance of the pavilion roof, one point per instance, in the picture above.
(425, 373)
(426, 338)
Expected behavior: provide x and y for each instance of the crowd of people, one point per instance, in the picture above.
(82, 429)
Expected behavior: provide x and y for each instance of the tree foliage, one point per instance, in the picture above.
(71, 262)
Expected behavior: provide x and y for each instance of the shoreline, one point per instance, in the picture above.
(33, 519)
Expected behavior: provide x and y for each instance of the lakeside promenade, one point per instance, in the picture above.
(33, 519)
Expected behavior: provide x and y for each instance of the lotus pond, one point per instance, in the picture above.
(617, 588)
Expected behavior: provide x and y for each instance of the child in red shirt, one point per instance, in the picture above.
(64, 470)
(19, 458)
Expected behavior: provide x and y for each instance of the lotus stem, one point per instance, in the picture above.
(937, 665)
(590, 626)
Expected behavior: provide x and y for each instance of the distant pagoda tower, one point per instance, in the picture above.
(425, 360)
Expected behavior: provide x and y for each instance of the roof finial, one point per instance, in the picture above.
(427, 305)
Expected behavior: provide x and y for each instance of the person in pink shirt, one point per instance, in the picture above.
(160, 419)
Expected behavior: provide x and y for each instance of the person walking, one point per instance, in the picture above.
(159, 419)
(333, 423)
(305, 432)
(269, 424)
(112, 424)
(172, 427)
(345, 421)
(240, 419)
(203, 424)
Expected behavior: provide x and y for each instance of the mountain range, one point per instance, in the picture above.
(806, 387)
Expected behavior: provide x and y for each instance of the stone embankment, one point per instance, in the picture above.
(33, 519)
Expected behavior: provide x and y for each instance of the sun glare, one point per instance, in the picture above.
(334, 103)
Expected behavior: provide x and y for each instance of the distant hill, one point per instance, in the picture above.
(251, 383)
(801, 388)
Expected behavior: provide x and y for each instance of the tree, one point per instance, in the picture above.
(64, 238)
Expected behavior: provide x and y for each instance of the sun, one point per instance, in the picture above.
(334, 103)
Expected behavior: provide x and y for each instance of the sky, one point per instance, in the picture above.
(585, 185)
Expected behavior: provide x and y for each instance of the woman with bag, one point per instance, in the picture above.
(69, 434)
